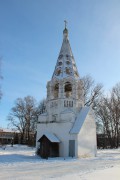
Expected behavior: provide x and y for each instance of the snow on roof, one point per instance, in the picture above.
(8, 130)
(52, 137)
(80, 120)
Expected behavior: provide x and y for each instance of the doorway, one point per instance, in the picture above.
(71, 148)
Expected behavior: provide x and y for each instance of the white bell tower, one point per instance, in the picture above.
(64, 91)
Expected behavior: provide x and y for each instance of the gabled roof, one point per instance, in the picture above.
(80, 120)
(65, 66)
(52, 137)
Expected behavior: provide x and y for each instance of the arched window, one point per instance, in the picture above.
(68, 89)
(56, 90)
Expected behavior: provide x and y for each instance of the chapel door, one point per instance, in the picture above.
(44, 147)
(71, 148)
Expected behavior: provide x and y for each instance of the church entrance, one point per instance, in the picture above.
(48, 148)
(71, 148)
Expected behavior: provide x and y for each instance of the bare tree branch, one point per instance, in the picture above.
(92, 91)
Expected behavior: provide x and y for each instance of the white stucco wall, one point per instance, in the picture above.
(87, 138)
(61, 130)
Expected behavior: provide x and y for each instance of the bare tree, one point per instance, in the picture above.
(23, 116)
(42, 106)
(30, 115)
(16, 117)
(108, 112)
(92, 91)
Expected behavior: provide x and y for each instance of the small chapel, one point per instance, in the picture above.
(67, 128)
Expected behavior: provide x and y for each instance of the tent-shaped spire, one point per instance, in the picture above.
(65, 66)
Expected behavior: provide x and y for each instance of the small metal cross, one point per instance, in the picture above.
(65, 23)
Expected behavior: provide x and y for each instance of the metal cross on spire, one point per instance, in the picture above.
(65, 23)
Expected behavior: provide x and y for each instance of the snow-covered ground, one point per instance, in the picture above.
(21, 163)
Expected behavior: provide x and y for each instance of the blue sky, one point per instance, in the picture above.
(31, 38)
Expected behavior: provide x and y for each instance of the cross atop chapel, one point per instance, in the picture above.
(65, 23)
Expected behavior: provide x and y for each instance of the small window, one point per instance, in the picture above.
(59, 63)
(60, 56)
(67, 62)
(70, 103)
(58, 71)
(66, 104)
(67, 70)
(67, 56)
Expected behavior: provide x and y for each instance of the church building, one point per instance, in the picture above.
(67, 128)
